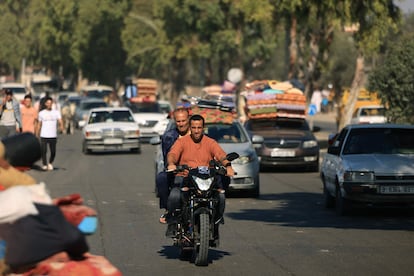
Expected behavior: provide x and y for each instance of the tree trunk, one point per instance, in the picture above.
(357, 84)
(293, 49)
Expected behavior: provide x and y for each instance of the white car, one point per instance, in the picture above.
(150, 118)
(83, 108)
(166, 106)
(369, 164)
(19, 90)
(97, 91)
(111, 128)
(372, 114)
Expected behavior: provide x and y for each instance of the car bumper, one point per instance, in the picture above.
(370, 194)
(145, 136)
(127, 144)
(247, 177)
(308, 160)
(243, 183)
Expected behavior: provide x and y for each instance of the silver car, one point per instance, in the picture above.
(370, 164)
(232, 138)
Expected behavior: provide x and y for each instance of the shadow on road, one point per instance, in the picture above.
(307, 210)
(172, 252)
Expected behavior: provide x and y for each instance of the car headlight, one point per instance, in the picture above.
(310, 144)
(203, 184)
(244, 159)
(161, 126)
(134, 132)
(93, 134)
(351, 176)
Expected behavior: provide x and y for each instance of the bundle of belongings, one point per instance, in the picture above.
(271, 99)
(40, 235)
(214, 112)
(147, 91)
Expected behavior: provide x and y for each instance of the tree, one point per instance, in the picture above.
(372, 20)
(394, 80)
(13, 26)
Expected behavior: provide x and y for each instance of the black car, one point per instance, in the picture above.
(288, 142)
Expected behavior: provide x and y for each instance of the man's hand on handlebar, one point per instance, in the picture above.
(171, 168)
(230, 172)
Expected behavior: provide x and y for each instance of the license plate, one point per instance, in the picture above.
(282, 153)
(112, 141)
(396, 189)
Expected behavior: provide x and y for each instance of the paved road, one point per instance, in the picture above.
(284, 232)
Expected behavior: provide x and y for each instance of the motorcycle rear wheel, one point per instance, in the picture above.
(201, 250)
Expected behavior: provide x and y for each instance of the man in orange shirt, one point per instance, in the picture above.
(29, 115)
(194, 150)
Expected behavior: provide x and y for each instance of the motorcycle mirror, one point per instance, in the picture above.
(232, 156)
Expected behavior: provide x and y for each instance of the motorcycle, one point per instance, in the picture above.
(198, 221)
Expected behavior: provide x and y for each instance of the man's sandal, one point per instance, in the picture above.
(163, 218)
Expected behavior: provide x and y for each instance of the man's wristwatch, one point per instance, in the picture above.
(228, 164)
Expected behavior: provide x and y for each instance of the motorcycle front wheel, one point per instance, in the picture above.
(201, 249)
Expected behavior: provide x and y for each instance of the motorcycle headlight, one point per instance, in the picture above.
(203, 184)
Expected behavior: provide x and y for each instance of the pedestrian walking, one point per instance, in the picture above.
(47, 129)
(10, 119)
(29, 115)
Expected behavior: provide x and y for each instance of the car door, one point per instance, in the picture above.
(332, 162)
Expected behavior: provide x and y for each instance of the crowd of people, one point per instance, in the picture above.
(42, 118)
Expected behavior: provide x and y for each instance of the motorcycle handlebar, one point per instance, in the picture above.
(181, 168)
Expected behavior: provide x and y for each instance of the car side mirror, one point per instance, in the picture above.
(156, 140)
(232, 156)
(331, 138)
(257, 139)
(333, 150)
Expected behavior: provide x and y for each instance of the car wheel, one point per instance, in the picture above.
(136, 150)
(342, 205)
(85, 149)
(314, 167)
(329, 200)
(256, 191)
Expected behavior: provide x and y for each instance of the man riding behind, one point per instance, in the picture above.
(163, 180)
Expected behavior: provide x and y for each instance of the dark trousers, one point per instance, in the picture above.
(43, 147)
(164, 182)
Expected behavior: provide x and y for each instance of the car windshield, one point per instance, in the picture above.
(18, 90)
(373, 111)
(150, 107)
(97, 93)
(165, 107)
(278, 123)
(226, 133)
(110, 116)
(90, 105)
(380, 141)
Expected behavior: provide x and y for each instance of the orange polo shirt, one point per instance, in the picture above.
(187, 152)
(29, 117)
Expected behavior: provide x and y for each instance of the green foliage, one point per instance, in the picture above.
(182, 40)
(394, 80)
